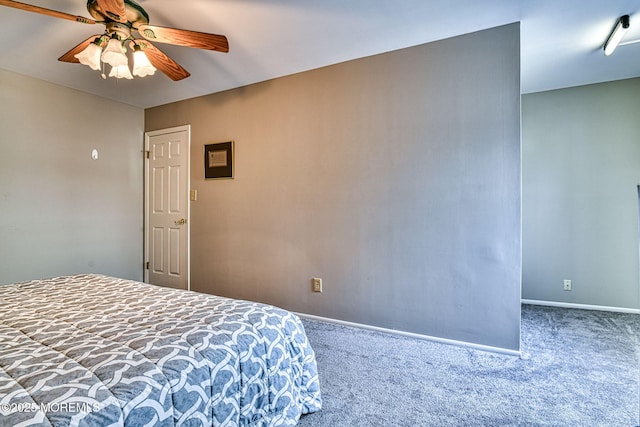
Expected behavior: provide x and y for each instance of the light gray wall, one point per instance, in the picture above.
(61, 212)
(394, 178)
(581, 169)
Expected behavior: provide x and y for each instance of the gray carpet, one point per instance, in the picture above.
(579, 368)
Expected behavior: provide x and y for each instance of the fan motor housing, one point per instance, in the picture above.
(122, 30)
(135, 14)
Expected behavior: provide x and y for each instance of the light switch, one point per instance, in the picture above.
(317, 284)
(194, 195)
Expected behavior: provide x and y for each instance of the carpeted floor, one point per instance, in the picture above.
(578, 368)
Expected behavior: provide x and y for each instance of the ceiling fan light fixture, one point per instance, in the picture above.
(90, 56)
(114, 54)
(616, 35)
(141, 65)
(120, 19)
(121, 72)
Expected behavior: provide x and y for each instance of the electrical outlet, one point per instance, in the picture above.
(317, 284)
(567, 285)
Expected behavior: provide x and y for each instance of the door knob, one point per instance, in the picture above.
(181, 221)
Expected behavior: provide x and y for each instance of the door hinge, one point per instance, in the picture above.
(146, 153)
(146, 265)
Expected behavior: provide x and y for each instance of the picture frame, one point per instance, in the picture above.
(218, 160)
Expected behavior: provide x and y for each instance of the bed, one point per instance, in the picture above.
(92, 350)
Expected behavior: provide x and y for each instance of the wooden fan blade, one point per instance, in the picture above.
(70, 56)
(162, 62)
(114, 9)
(184, 37)
(45, 11)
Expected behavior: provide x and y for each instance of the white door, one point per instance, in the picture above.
(167, 207)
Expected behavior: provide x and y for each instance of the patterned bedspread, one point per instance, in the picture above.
(92, 350)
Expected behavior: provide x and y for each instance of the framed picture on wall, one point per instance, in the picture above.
(218, 160)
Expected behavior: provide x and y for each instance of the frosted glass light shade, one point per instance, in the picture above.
(90, 56)
(121, 72)
(113, 54)
(141, 65)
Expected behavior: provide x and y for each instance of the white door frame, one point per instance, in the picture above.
(147, 136)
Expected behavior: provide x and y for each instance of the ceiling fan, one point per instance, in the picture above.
(121, 18)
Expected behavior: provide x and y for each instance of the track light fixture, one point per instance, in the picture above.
(616, 35)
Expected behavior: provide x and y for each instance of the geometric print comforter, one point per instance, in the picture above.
(91, 350)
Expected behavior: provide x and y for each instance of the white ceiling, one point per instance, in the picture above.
(561, 40)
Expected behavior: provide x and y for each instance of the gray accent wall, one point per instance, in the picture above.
(60, 211)
(581, 169)
(394, 178)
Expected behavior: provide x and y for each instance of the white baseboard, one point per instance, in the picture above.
(581, 306)
(413, 335)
